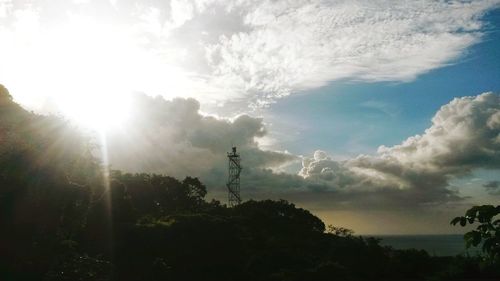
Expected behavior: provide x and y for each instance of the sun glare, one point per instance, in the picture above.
(98, 113)
(87, 70)
(92, 62)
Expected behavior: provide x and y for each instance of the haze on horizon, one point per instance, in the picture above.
(383, 117)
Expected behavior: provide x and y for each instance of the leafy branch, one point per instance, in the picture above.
(487, 232)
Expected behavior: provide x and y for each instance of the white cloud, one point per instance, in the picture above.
(5, 7)
(235, 52)
(172, 137)
(294, 45)
(462, 138)
(182, 11)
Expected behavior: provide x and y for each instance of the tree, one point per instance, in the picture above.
(280, 216)
(195, 190)
(487, 232)
(5, 97)
(340, 231)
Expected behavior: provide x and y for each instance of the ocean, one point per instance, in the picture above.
(437, 245)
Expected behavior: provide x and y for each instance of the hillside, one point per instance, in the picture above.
(64, 218)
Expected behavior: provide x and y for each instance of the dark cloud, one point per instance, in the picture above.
(492, 187)
(172, 137)
(492, 184)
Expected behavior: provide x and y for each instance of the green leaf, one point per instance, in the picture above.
(471, 214)
(487, 232)
(486, 213)
(476, 238)
(482, 228)
(463, 221)
(455, 221)
(487, 246)
(472, 238)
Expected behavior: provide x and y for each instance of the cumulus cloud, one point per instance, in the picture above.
(231, 52)
(492, 187)
(173, 137)
(463, 137)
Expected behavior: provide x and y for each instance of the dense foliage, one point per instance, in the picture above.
(63, 217)
(487, 231)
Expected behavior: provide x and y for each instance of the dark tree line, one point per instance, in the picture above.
(63, 218)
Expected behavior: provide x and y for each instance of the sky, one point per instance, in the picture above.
(380, 116)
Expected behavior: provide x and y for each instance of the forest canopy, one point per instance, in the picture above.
(65, 216)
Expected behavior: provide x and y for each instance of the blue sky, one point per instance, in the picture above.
(349, 118)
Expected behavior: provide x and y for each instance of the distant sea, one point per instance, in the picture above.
(436, 245)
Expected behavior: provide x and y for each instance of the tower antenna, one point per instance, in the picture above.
(233, 180)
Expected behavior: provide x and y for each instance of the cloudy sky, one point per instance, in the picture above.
(381, 116)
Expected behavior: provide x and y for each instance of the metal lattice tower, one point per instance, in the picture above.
(233, 180)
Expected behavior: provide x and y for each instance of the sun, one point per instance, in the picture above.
(101, 113)
(91, 71)
(87, 70)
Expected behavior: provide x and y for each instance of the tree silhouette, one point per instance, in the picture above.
(487, 232)
(63, 218)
